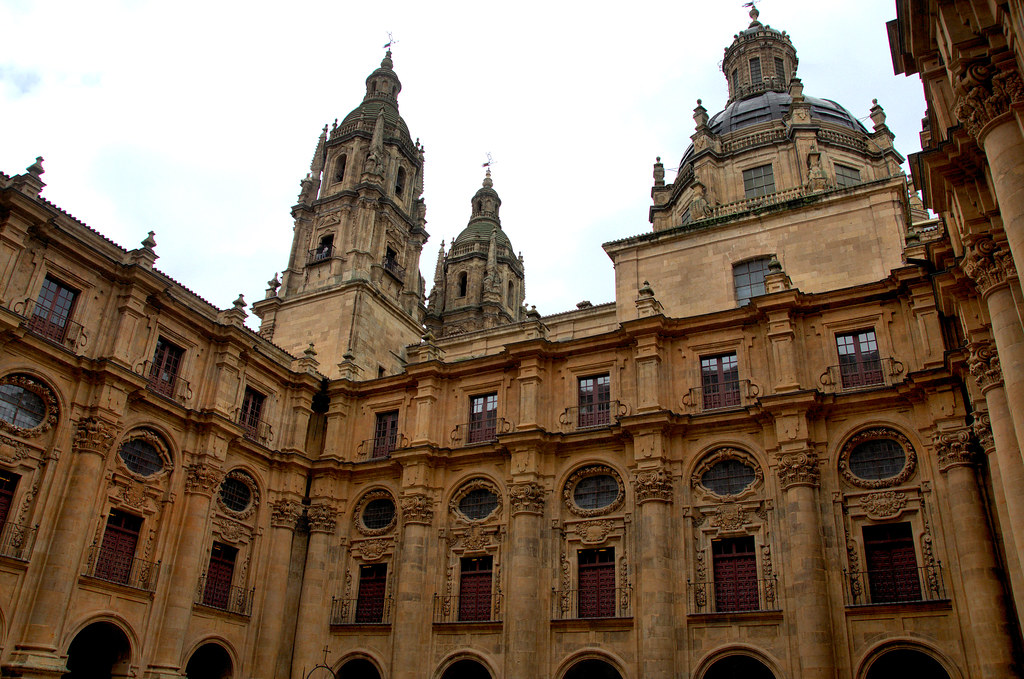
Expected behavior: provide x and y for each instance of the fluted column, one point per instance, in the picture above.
(284, 514)
(37, 654)
(314, 603)
(413, 604)
(805, 564)
(656, 577)
(200, 482)
(525, 617)
(983, 599)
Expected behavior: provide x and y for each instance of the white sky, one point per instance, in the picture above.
(198, 119)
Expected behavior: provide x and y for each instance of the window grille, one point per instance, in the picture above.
(755, 71)
(141, 457)
(379, 513)
(235, 494)
(877, 459)
(595, 492)
(478, 504)
(20, 407)
(780, 68)
(728, 477)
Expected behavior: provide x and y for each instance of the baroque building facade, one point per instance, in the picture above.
(764, 458)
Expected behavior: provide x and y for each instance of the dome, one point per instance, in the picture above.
(382, 88)
(486, 203)
(774, 106)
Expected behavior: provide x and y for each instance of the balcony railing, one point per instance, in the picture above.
(895, 585)
(733, 596)
(366, 611)
(481, 431)
(321, 254)
(574, 604)
(381, 447)
(70, 335)
(213, 594)
(16, 541)
(258, 431)
(721, 396)
(393, 268)
(592, 415)
(113, 567)
(163, 384)
(864, 374)
(468, 609)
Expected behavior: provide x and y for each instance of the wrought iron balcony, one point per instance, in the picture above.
(259, 431)
(575, 604)
(864, 374)
(480, 431)
(164, 384)
(380, 447)
(70, 335)
(733, 596)
(16, 541)
(486, 608)
(899, 584)
(214, 594)
(721, 396)
(111, 566)
(593, 415)
(321, 254)
(392, 267)
(365, 611)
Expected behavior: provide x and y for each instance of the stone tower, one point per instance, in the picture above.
(352, 287)
(479, 283)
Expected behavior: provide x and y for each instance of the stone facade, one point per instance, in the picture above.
(766, 458)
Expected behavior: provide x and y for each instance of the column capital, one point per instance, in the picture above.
(285, 513)
(988, 264)
(526, 498)
(417, 508)
(982, 428)
(322, 517)
(985, 91)
(653, 485)
(983, 362)
(798, 469)
(93, 435)
(201, 478)
(954, 449)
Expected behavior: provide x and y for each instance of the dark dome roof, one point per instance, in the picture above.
(367, 114)
(480, 231)
(775, 105)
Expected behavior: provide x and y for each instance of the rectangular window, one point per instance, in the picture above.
(735, 81)
(252, 411)
(735, 566)
(846, 176)
(373, 580)
(748, 278)
(8, 484)
(892, 563)
(719, 381)
(164, 372)
(859, 362)
(483, 418)
(117, 551)
(755, 71)
(52, 310)
(780, 68)
(597, 583)
(385, 434)
(594, 397)
(475, 588)
(219, 573)
(758, 181)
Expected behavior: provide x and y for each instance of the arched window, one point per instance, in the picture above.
(463, 284)
(339, 168)
(511, 295)
(400, 183)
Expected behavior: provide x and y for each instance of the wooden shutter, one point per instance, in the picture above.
(117, 551)
(372, 583)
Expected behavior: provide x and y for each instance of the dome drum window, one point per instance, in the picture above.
(376, 513)
(877, 458)
(27, 407)
(476, 501)
(594, 490)
(143, 454)
(239, 495)
(728, 473)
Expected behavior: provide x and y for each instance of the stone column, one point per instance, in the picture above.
(414, 600)
(656, 576)
(983, 600)
(200, 482)
(37, 655)
(526, 619)
(314, 603)
(805, 575)
(284, 514)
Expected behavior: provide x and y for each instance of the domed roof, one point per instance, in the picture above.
(486, 203)
(774, 106)
(382, 88)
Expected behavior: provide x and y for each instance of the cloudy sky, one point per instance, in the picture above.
(198, 119)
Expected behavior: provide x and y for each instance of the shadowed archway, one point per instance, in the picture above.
(737, 666)
(100, 651)
(210, 661)
(358, 668)
(466, 669)
(905, 662)
(592, 668)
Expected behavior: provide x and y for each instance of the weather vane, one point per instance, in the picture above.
(391, 41)
(490, 161)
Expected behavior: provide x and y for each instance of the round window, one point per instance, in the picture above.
(478, 504)
(728, 477)
(877, 459)
(141, 457)
(235, 494)
(596, 492)
(20, 407)
(379, 514)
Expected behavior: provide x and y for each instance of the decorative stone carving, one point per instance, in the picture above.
(582, 473)
(372, 550)
(653, 484)
(526, 498)
(985, 92)
(417, 508)
(357, 514)
(702, 578)
(49, 403)
(322, 518)
(93, 436)
(153, 439)
(285, 513)
(473, 539)
(12, 451)
(254, 495)
(887, 504)
(232, 531)
(133, 494)
(719, 455)
(798, 469)
(909, 464)
(954, 449)
(768, 573)
(983, 362)
(853, 555)
(464, 490)
(201, 478)
(982, 428)
(729, 517)
(988, 264)
(594, 532)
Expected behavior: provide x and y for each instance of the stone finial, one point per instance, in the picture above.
(659, 172)
(36, 168)
(774, 265)
(310, 351)
(877, 115)
(646, 303)
(488, 182)
(149, 242)
(796, 89)
(753, 16)
(700, 115)
(240, 303)
(776, 279)
(585, 304)
(533, 313)
(272, 285)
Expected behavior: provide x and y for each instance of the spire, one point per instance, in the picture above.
(316, 166)
(375, 162)
(761, 59)
(436, 292)
(383, 84)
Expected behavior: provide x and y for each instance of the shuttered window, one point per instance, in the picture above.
(117, 551)
(373, 580)
(735, 565)
(597, 583)
(475, 588)
(892, 563)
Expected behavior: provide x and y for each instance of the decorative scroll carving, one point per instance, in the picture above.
(954, 449)
(19, 450)
(594, 532)
(887, 504)
(909, 464)
(985, 92)
(232, 531)
(133, 494)
(653, 484)
(928, 556)
(285, 513)
(526, 498)
(254, 495)
(853, 555)
(417, 508)
(798, 469)
(26, 503)
(367, 498)
(983, 362)
(566, 598)
(768, 573)
(201, 478)
(322, 518)
(729, 517)
(982, 428)
(465, 489)
(702, 576)
(49, 404)
(372, 550)
(582, 473)
(624, 583)
(988, 264)
(93, 436)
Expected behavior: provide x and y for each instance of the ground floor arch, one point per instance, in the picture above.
(358, 668)
(466, 669)
(732, 666)
(210, 661)
(100, 651)
(592, 668)
(906, 662)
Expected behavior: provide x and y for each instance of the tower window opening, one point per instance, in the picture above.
(463, 284)
(339, 168)
(755, 71)
(511, 295)
(400, 183)
(735, 80)
(325, 249)
(780, 68)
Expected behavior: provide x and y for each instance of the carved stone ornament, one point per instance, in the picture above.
(653, 485)
(982, 428)
(886, 504)
(201, 478)
(417, 508)
(232, 531)
(133, 494)
(955, 449)
(93, 436)
(526, 498)
(367, 498)
(988, 265)
(584, 472)
(11, 450)
(473, 539)
(464, 490)
(983, 362)
(798, 469)
(285, 513)
(322, 518)
(50, 412)
(153, 439)
(254, 495)
(594, 532)
(729, 518)
(372, 550)
(985, 92)
(720, 455)
(909, 464)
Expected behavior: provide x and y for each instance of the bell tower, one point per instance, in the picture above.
(352, 287)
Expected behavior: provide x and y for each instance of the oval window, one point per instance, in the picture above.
(596, 492)
(877, 459)
(728, 477)
(478, 504)
(235, 494)
(20, 407)
(141, 457)
(379, 514)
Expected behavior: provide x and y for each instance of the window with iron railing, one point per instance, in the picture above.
(251, 413)
(322, 252)
(719, 379)
(8, 484)
(117, 551)
(892, 563)
(164, 370)
(52, 310)
(735, 567)
(475, 588)
(219, 573)
(483, 418)
(372, 587)
(385, 434)
(594, 401)
(596, 583)
(860, 364)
